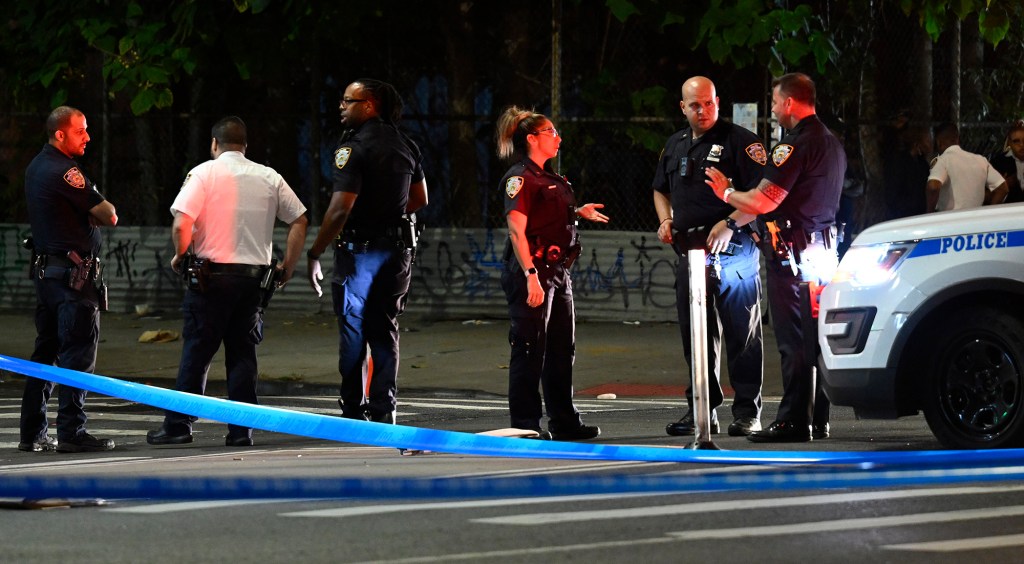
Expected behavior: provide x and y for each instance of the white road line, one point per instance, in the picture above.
(980, 543)
(69, 462)
(445, 505)
(735, 505)
(561, 469)
(157, 508)
(799, 528)
(104, 416)
(818, 527)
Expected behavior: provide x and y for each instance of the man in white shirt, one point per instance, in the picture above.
(959, 179)
(226, 209)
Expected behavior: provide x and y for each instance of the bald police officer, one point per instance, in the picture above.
(798, 199)
(378, 179)
(64, 209)
(685, 204)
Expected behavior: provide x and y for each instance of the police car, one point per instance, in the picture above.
(927, 314)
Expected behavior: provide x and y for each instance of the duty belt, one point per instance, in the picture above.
(230, 269)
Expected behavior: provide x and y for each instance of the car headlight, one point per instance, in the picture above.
(870, 265)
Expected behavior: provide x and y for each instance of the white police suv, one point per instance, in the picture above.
(927, 314)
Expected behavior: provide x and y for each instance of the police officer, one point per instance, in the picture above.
(687, 208)
(226, 208)
(378, 180)
(798, 197)
(541, 212)
(64, 208)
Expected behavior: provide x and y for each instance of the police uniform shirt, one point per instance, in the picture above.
(1010, 167)
(730, 148)
(378, 164)
(964, 177)
(809, 164)
(59, 199)
(546, 200)
(234, 203)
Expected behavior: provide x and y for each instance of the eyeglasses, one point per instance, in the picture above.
(554, 132)
(350, 101)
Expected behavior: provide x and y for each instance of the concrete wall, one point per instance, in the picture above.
(621, 276)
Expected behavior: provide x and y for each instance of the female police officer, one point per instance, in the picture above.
(541, 212)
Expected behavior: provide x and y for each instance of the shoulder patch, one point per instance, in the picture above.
(341, 157)
(757, 153)
(513, 186)
(75, 178)
(780, 153)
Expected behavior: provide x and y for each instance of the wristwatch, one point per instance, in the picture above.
(731, 224)
(728, 192)
(530, 271)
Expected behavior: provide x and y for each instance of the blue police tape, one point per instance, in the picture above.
(364, 432)
(36, 487)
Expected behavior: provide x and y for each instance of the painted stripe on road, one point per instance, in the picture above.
(818, 527)
(980, 543)
(158, 508)
(735, 505)
(446, 505)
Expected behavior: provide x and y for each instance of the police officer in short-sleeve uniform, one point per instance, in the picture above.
(733, 280)
(64, 208)
(225, 213)
(540, 208)
(378, 178)
(798, 199)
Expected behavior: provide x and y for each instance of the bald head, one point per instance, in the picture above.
(700, 104)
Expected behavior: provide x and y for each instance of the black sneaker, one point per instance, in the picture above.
(85, 443)
(45, 444)
(581, 433)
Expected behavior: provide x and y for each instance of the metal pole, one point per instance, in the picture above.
(699, 349)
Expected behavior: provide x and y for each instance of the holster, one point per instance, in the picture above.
(269, 283)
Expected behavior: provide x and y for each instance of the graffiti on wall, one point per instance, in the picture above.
(619, 273)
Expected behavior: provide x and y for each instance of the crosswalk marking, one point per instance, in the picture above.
(818, 527)
(954, 545)
(160, 508)
(736, 505)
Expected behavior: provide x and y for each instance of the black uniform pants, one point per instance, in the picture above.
(227, 311)
(543, 342)
(369, 292)
(817, 264)
(67, 333)
(733, 315)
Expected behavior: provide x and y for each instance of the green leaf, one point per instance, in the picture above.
(155, 75)
(125, 45)
(791, 50)
(621, 9)
(994, 25)
(143, 102)
(134, 10)
(47, 77)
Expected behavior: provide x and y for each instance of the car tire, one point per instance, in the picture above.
(975, 380)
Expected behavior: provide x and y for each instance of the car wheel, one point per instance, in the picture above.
(975, 380)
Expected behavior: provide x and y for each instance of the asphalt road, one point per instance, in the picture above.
(980, 522)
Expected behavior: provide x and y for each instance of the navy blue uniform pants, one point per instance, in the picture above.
(733, 315)
(369, 293)
(67, 333)
(227, 311)
(543, 341)
(817, 264)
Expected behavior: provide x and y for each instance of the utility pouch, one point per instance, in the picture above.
(101, 295)
(195, 271)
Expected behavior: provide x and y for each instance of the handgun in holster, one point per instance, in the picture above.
(270, 282)
(411, 230)
(780, 246)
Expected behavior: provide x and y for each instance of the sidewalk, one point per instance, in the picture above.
(299, 355)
